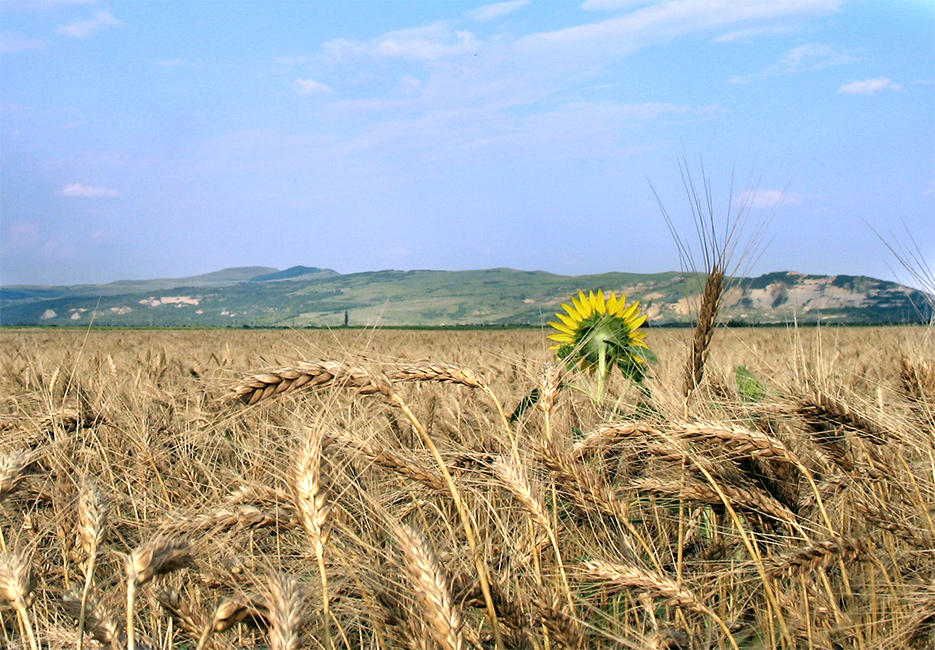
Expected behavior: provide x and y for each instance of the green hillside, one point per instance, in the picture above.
(309, 296)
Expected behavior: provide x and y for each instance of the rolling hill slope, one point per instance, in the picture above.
(308, 296)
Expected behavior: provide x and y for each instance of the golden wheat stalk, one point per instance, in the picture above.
(388, 460)
(586, 489)
(884, 520)
(514, 479)
(386, 389)
(563, 628)
(92, 518)
(821, 411)
(312, 505)
(155, 557)
(805, 560)
(16, 586)
(597, 441)
(920, 627)
(12, 471)
(620, 577)
(285, 603)
(737, 441)
(188, 618)
(447, 373)
(100, 622)
(704, 330)
(917, 379)
(433, 589)
(749, 499)
(309, 374)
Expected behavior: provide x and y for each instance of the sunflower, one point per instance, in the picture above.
(599, 332)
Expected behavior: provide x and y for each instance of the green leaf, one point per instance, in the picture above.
(750, 388)
(525, 404)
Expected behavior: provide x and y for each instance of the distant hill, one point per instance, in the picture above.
(304, 296)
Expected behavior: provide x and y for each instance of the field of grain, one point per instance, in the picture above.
(370, 489)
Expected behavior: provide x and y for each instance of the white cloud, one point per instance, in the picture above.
(84, 28)
(770, 199)
(611, 5)
(294, 60)
(410, 85)
(868, 86)
(311, 87)
(664, 21)
(88, 192)
(811, 56)
(426, 43)
(13, 42)
(489, 12)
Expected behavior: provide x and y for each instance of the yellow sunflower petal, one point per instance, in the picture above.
(582, 305)
(600, 303)
(630, 312)
(572, 312)
(635, 323)
(612, 304)
(568, 320)
(562, 327)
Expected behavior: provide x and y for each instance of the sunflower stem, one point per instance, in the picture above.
(602, 372)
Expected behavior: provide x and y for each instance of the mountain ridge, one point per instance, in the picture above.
(303, 296)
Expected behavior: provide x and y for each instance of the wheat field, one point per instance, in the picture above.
(398, 489)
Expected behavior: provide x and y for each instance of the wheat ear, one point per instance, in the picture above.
(100, 623)
(593, 443)
(285, 602)
(92, 518)
(157, 556)
(751, 500)
(623, 578)
(433, 589)
(312, 505)
(388, 460)
(310, 374)
(704, 330)
(737, 441)
(16, 586)
(12, 471)
(457, 375)
(513, 478)
(808, 559)
(822, 411)
(393, 397)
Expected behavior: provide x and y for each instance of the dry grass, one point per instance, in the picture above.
(364, 490)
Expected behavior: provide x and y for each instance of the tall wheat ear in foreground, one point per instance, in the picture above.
(249, 489)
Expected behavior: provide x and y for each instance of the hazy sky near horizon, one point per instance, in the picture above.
(172, 138)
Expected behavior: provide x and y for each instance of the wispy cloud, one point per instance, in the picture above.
(662, 21)
(426, 43)
(489, 12)
(13, 42)
(77, 190)
(176, 63)
(85, 28)
(294, 60)
(868, 86)
(43, 5)
(612, 5)
(811, 56)
(770, 199)
(311, 87)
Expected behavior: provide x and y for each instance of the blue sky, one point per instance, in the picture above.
(166, 139)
